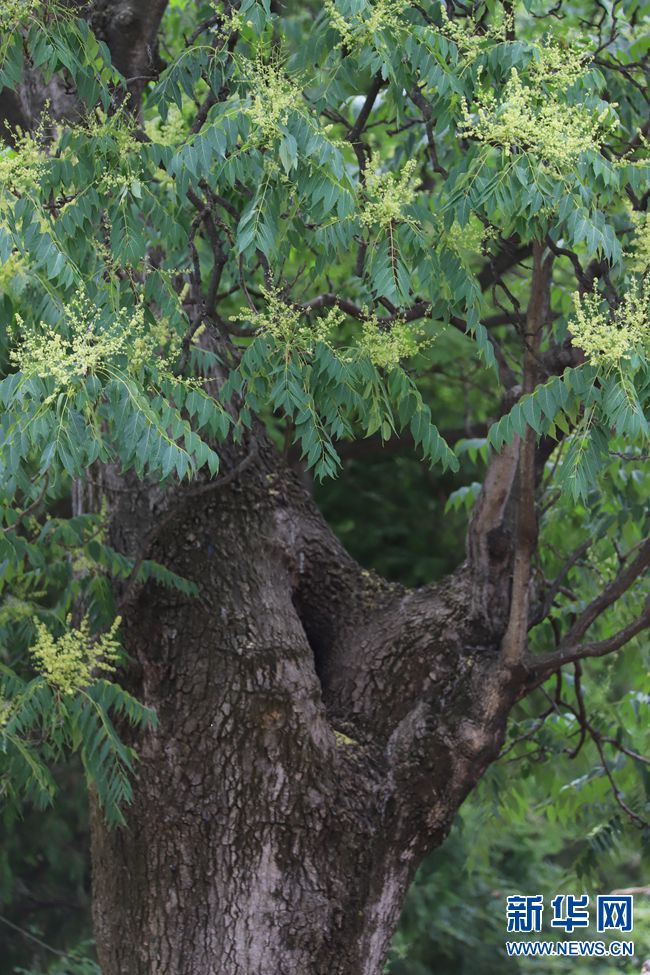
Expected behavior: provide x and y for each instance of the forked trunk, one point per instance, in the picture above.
(287, 796)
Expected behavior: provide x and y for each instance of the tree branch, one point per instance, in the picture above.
(611, 593)
(354, 135)
(542, 667)
(514, 640)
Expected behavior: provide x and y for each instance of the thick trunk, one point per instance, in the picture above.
(288, 794)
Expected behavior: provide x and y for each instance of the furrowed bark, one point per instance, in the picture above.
(319, 729)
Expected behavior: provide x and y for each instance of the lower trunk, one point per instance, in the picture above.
(264, 837)
(263, 875)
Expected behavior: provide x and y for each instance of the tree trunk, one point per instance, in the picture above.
(318, 729)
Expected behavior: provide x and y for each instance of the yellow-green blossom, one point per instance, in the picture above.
(229, 21)
(6, 708)
(469, 38)
(119, 164)
(608, 340)
(525, 118)
(641, 244)
(468, 241)
(21, 167)
(14, 13)
(11, 273)
(383, 15)
(298, 331)
(81, 346)
(387, 346)
(274, 96)
(289, 325)
(68, 662)
(389, 193)
(173, 131)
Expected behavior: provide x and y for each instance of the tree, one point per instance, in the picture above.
(220, 267)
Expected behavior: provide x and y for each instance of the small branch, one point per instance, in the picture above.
(30, 508)
(542, 667)
(242, 281)
(206, 25)
(582, 711)
(31, 937)
(511, 254)
(421, 102)
(354, 135)
(366, 109)
(539, 723)
(638, 820)
(329, 299)
(557, 583)
(610, 593)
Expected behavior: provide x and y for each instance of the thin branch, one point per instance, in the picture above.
(354, 135)
(557, 583)
(618, 795)
(611, 593)
(31, 937)
(30, 508)
(510, 254)
(421, 102)
(582, 711)
(541, 667)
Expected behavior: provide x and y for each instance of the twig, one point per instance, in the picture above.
(32, 507)
(32, 937)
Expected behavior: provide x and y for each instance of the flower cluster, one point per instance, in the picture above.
(275, 95)
(555, 66)
(467, 241)
(384, 344)
(469, 38)
(83, 345)
(361, 27)
(389, 193)
(13, 13)
(229, 21)
(11, 274)
(525, 118)
(173, 131)
(610, 340)
(288, 325)
(21, 166)
(386, 347)
(641, 244)
(68, 662)
(6, 708)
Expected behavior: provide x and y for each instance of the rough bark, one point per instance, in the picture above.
(319, 729)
